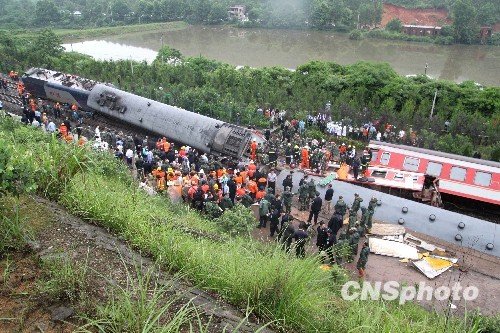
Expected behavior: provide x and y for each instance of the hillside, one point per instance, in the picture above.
(416, 16)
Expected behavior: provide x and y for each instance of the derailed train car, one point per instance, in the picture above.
(200, 132)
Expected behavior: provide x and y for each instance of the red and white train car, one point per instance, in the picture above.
(461, 176)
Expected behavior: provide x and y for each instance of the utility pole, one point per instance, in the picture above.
(433, 104)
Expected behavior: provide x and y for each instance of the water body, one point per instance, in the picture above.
(291, 48)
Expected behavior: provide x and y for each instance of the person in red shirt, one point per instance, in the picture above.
(253, 150)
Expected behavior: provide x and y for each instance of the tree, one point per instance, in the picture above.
(465, 22)
(119, 8)
(46, 13)
(394, 25)
(321, 14)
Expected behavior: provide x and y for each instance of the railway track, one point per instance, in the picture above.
(11, 98)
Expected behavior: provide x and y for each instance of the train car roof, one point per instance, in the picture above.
(438, 154)
(67, 80)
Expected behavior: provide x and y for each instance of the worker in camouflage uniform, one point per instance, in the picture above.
(371, 210)
(353, 242)
(363, 259)
(364, 217)
(270, 197)
(304, 196)
(246, 200)
(353, 217)
(340, 206)
(372, 204)
(226, 203)
(287, 199)
(356, 204)
(359, 229)
(311, 190)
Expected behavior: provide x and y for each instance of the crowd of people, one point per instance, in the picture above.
(212, 186)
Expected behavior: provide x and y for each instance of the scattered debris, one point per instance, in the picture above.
(392, 249)
(433, 266)
(412, 240)
(384, 229)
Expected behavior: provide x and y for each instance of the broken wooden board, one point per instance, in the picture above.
(434, 266)
(384, 229)
(392, 249)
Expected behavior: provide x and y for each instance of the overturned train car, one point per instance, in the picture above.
(200, 132)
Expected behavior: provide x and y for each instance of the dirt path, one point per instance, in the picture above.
(108, 260)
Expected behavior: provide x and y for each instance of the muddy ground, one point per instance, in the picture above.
(109, 262)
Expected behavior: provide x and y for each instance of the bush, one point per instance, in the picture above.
(356, 34)
(394, 25)
(238, 220)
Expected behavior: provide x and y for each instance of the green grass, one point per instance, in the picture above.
(75, 34)
(294, 294)
(61, 280)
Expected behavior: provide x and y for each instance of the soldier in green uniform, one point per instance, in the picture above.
(364, 217)
(372, 204)
(311, 190)
(353, 242)
(287, 199)
(270, 197)
(341, 206)
(226, 203)
(359, 229)
(363, 259)
(369, 219)
(353, 217)
(246, 200)
(304, 196)
(356, 204)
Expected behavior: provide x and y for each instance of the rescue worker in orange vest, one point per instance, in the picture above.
(240, 192)
(166, 145)
(63, 130)
(304, 163)
(253, 150)
(260, 194)
(238, 179)
(252, 187)
(160, 184)
(20, 88)
(244, 176)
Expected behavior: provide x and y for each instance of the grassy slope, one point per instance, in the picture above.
(73, 34)
(294, 293)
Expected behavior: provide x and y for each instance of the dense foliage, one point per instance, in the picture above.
(358, 93)
(342, 15)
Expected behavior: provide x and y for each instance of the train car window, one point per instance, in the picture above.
(411, 163)
(384, 159)
(458, 173)
(434, 169)
(482, 178)
(374, 155)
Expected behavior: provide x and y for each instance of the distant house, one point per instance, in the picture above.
(237, 12)
(421, 30)
(77, 13)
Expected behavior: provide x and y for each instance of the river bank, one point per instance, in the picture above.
(292, 48)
